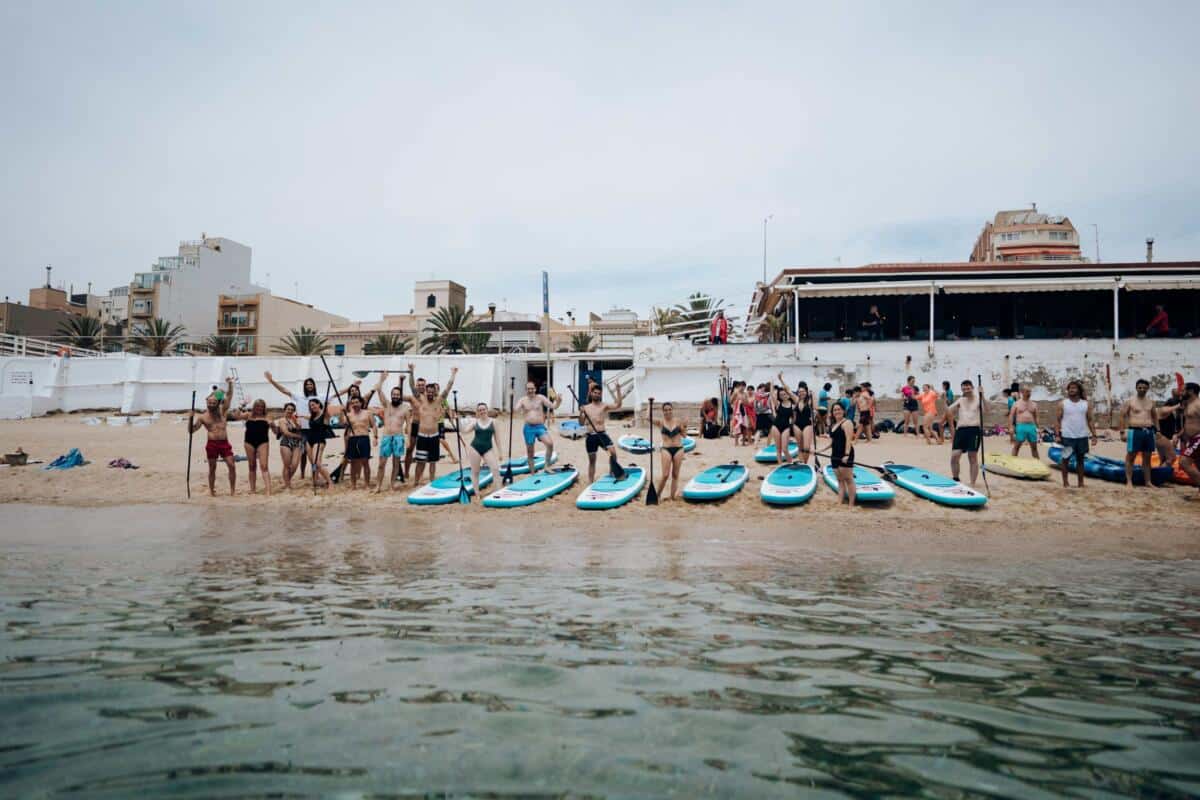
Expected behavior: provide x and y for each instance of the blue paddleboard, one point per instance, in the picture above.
(767, 455)
(868, 487)
(532, 489)
(444, 489)
(935, 487)
(608, 492)
(789, 485)
(716, 483)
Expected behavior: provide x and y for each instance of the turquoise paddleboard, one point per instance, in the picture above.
(634, 444)
(608, 492)
(868, 487)
(789, 485)
(717, 482)
(532, 489)
(445, 488)
(935, 487)
(767, 455)
(520, 466)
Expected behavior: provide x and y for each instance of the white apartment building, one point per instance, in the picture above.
(185, 288)
(114, 308)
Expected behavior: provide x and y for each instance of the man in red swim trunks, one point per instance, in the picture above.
(217, 447)
(1189, 436)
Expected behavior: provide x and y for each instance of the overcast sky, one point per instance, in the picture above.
(632, 150)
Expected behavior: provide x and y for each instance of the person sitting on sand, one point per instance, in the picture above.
(428, 409)
(928, 400)
(1137, 428)
(392, 448)
(217, 448)
(534, 406)
(711, 418)
(841, 452)
(594, 416)
(257, 442)
(1074, 429)
(1023, 423)
(968, 434)
(483, 447)
(1189, 437)
(672, 431)
(291, 441)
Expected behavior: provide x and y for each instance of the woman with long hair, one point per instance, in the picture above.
(257, 442)
(841, 452)
(291, 441)
(317, 434)
(783, 407)
(804, 422)
(672, 431)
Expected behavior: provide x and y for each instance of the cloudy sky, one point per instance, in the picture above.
(631, 149)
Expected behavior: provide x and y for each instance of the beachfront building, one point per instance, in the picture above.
(256, 322)
(183, 289)
(114, 307)
(355, 337)
(1027, 236)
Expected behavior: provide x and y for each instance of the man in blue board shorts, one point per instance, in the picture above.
(1137, 420)
(534, 406)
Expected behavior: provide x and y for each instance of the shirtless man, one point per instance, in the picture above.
(866, 423)
(217, 447)
(360, 430)
(1023, 423)
(596, 411)
(534, 407)
(428, 408)
(396, 416)
(1138, 429)
(1189, 437)
(968, 431)
(418, 385)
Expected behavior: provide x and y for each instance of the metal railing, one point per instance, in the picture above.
(11, 345)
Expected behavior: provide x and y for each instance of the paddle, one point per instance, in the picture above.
(464, 497)
(614, 468)
(336, 475)
(508, 473)
(362, 373)
(982, 456)
(651, 493)
(191, 419)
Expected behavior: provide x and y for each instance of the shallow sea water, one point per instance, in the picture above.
(156, 651)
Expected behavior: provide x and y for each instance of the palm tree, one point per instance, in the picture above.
(699, 307)
(156, 337)
(302, 341)
(221, 345)
(452, 330)
(581, 342)
(663, 318)
(388, 344)
(82, 332)
(774, 329)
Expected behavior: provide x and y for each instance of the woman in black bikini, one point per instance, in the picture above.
(672, 450)
(291, 441)
(783, 406)
(841, 452)
(257, 443)
(803, 424)
(318, 431)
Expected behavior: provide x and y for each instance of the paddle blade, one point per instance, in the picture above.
(651, 495)
(615, 469)
(361, 373)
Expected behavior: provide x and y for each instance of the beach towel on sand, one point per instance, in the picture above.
(72, 458)
(122, 463)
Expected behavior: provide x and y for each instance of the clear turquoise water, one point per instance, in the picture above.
(171, 651)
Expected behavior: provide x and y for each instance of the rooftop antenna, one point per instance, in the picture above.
(1149, 249)
(48, 268)
(1034, 206)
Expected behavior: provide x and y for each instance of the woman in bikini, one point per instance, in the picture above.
(672, 431)
(291, 441)
(783, 406)
(841, 452)
(483, 444)
(316, 435)
(804, 421)
(257, 442)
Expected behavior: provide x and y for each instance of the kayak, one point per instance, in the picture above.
(520, 466)
(717, 483)
(634, 444)
(610, 492)
(571, 429)
(444, 489)
(868, 487)
(935, 487)
(1179, 476)
(532, 489)
(1111, 469)
(789, 485)
(1011, 466)
(767, 455)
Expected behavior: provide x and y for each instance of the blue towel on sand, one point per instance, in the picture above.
(73, 458)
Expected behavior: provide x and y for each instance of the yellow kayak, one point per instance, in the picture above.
(1029, 469)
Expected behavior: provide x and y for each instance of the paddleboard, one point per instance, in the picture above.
(789, 485)
(716, 483)
(1011, 466)
(868, 486)
(609, 492)
(520, 466)
(1111, 469)
(571, 429)
(634, 444)
(935, 487)
(444, 489)
(767, 455)
(532, 489)
(689, 444)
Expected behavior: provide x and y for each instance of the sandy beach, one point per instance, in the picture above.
(1021, 517)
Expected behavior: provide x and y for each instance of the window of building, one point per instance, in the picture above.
(1061, 236)
(431, 301)
(339, 349)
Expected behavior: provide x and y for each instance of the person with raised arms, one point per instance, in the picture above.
(802, 423)
(217, 448)
(1138, 429)
(417, 387)
(361, 429)
(1074, 429)
(595, 416)
(428, 407)
(784, 405)
(534, 406)
(1189, 436)
(392, 445)
(672, 431)
(968, 431)
(308, 389)
(1023, 423)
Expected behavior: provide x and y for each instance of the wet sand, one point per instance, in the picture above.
(1023, 520)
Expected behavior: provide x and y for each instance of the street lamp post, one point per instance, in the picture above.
(1097, 229)
(766, 219)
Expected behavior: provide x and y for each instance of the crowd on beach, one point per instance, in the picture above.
(413, 429)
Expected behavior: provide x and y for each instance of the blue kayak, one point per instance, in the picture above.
(768, 454)
(1111, 469)
(445, 488)
(610, 492)
(789, 485)
(532, 489)
(716, 483)
(520, 466)
(935, 487)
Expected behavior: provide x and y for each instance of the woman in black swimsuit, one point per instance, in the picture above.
(841, 452)
(257, 442)
(803, 424)
(672, 450)
(291, 441)
(316, 434)
(783, 406)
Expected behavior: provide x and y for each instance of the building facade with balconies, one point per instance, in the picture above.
(1028, 236)
(256, 322)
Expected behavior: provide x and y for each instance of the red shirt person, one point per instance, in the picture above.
(1159, 326)
(718, 329)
